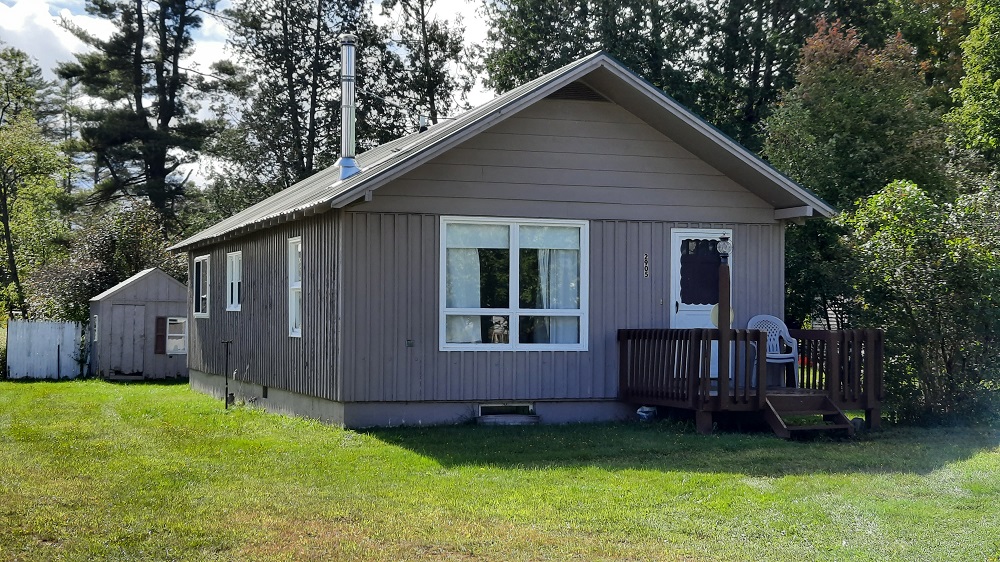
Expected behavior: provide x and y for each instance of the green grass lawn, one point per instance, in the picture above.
(97, 471)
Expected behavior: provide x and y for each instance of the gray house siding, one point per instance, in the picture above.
(558, 159)
(126, 328)
(574, 160)
(394, 279)
(262, 352)
(379, 259)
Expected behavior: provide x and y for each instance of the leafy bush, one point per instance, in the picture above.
(105, 252)
(931, 280)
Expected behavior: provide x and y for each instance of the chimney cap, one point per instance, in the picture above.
(348, 39)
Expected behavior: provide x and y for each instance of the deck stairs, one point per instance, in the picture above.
(784, 413)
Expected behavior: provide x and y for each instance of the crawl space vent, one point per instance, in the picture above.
(576, 91)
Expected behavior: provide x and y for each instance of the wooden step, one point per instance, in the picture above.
(799, 402)
(826, 412)
(778, 408)
(820, 427)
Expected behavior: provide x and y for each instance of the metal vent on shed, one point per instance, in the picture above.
(576, 91)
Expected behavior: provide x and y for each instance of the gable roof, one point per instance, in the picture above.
(325, 190)
(142, 275)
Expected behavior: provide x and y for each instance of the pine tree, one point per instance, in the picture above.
(144, 129)
(433, 48)
(288, 68)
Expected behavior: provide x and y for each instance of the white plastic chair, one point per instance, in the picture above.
(776, 332)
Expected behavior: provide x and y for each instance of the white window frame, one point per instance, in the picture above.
(294, 253)
(96, 329)
(514, 311)
(166, 342)
(234, 281)
(196, 290)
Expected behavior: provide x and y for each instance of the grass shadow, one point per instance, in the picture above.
(672, 446)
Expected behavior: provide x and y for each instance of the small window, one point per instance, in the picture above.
(295, 287)
(234, 280)
(171, 336)
(96, 332)
(201, 286)
(176, 336)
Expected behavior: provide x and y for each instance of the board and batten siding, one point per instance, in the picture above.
(262, 352)
(393, 274)
(557, 159)
(573, 160)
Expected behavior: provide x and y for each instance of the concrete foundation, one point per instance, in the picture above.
(384, 414)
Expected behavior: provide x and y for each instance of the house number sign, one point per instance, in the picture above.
(645, 265)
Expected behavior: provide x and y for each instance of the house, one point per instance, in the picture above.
(138, 328)
(490, 261)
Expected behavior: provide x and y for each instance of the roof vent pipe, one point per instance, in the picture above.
(348, 166)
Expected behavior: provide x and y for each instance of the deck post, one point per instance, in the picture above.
(691, 371)
(623, 371)
(725, 307)
(703, 421)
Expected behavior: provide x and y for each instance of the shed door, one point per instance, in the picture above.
(128, 338)
(694, 275)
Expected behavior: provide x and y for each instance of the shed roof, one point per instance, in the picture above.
(601, 72)
(143, 275)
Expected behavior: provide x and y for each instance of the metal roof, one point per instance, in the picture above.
(142, 274)
(325, 190)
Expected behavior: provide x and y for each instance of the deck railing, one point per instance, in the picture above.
(674, 368)
(847, 364)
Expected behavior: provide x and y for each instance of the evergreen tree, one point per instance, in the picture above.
(144, 128)
(437, 68)
(725, 59)
(658, 40)
(289, 73)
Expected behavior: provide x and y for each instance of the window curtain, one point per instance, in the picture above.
(463, 276)
(558, 272)
(462, 271)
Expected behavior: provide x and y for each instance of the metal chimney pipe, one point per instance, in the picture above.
(348, 166)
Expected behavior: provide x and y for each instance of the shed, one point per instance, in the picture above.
(138, 328)
(488, 263)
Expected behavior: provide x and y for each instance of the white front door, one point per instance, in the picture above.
(694, 275)
(694, 280)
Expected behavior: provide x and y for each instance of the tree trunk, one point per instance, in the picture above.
(8, 240)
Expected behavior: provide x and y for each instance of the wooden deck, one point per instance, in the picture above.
(838, 370)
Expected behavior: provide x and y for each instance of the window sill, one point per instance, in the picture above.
(233, 308)
(200, 314)
(510, 347)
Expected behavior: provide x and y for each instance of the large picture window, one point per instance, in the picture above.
(201, 286)
(513, 284)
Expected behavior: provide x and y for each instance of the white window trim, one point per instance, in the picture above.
(292, 287)
(96, 328)
(206, 274)
(512, 312)
(166, 341)
(231, 259)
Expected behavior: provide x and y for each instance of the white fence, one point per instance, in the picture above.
(43, 350)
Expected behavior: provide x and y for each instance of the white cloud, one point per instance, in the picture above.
(34, 27)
